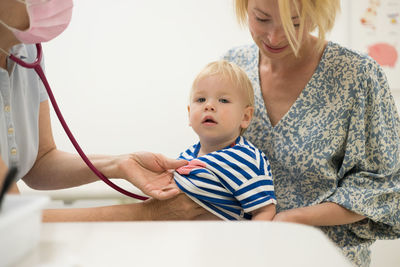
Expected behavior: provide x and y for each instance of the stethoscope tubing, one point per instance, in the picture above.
(38, 68)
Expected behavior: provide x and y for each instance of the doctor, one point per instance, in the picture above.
(26, 139)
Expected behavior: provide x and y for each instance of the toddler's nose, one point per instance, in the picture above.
(209, 107)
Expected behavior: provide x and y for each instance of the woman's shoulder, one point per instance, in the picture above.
(356, 72)
(242, 55)
(339, 57)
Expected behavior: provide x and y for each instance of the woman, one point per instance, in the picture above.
(326, 120)
(26, 139)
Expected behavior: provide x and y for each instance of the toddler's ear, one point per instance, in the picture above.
(188, 108)
(247, 116)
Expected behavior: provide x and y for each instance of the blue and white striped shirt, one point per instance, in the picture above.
(230, 183)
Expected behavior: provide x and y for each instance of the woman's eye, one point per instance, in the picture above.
(223, 100)
(261, 20)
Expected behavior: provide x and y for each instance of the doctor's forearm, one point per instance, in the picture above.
(58, 170)
(55, 169)
(324, 214)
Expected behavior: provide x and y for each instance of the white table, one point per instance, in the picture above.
(183, 244)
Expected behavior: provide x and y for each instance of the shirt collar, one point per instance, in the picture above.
(19, 51)
(198, 146)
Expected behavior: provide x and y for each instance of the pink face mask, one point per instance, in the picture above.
(48, 19)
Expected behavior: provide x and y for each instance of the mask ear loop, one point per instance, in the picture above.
(5, 52)
(4, 24)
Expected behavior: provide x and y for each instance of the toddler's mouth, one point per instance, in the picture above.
(209, 120)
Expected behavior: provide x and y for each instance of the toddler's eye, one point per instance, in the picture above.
(201, 99)
(223, 100)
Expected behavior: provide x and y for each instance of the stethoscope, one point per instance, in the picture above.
(38, 68)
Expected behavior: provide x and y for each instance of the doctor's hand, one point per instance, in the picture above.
(152, 173)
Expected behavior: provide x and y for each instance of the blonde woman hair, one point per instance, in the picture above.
(231, 71)
(319, 14)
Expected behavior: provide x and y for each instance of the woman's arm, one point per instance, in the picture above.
(265, 213)
(324, 214)
(179, 207)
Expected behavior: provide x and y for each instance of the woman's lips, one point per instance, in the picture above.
(274, 49)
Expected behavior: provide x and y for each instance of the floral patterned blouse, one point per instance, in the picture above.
(339, 142)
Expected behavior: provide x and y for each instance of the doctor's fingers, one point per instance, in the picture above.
(163, 193)
(156, 162)
(168, 163)
(171, 164)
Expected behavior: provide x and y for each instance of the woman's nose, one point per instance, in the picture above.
(276, 35)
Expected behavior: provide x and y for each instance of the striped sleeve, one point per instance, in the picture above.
(256, 193)
(247, 172)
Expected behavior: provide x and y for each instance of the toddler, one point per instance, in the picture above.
(226, 174)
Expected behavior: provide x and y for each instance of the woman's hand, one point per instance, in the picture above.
(180, 207)
(151, 173)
